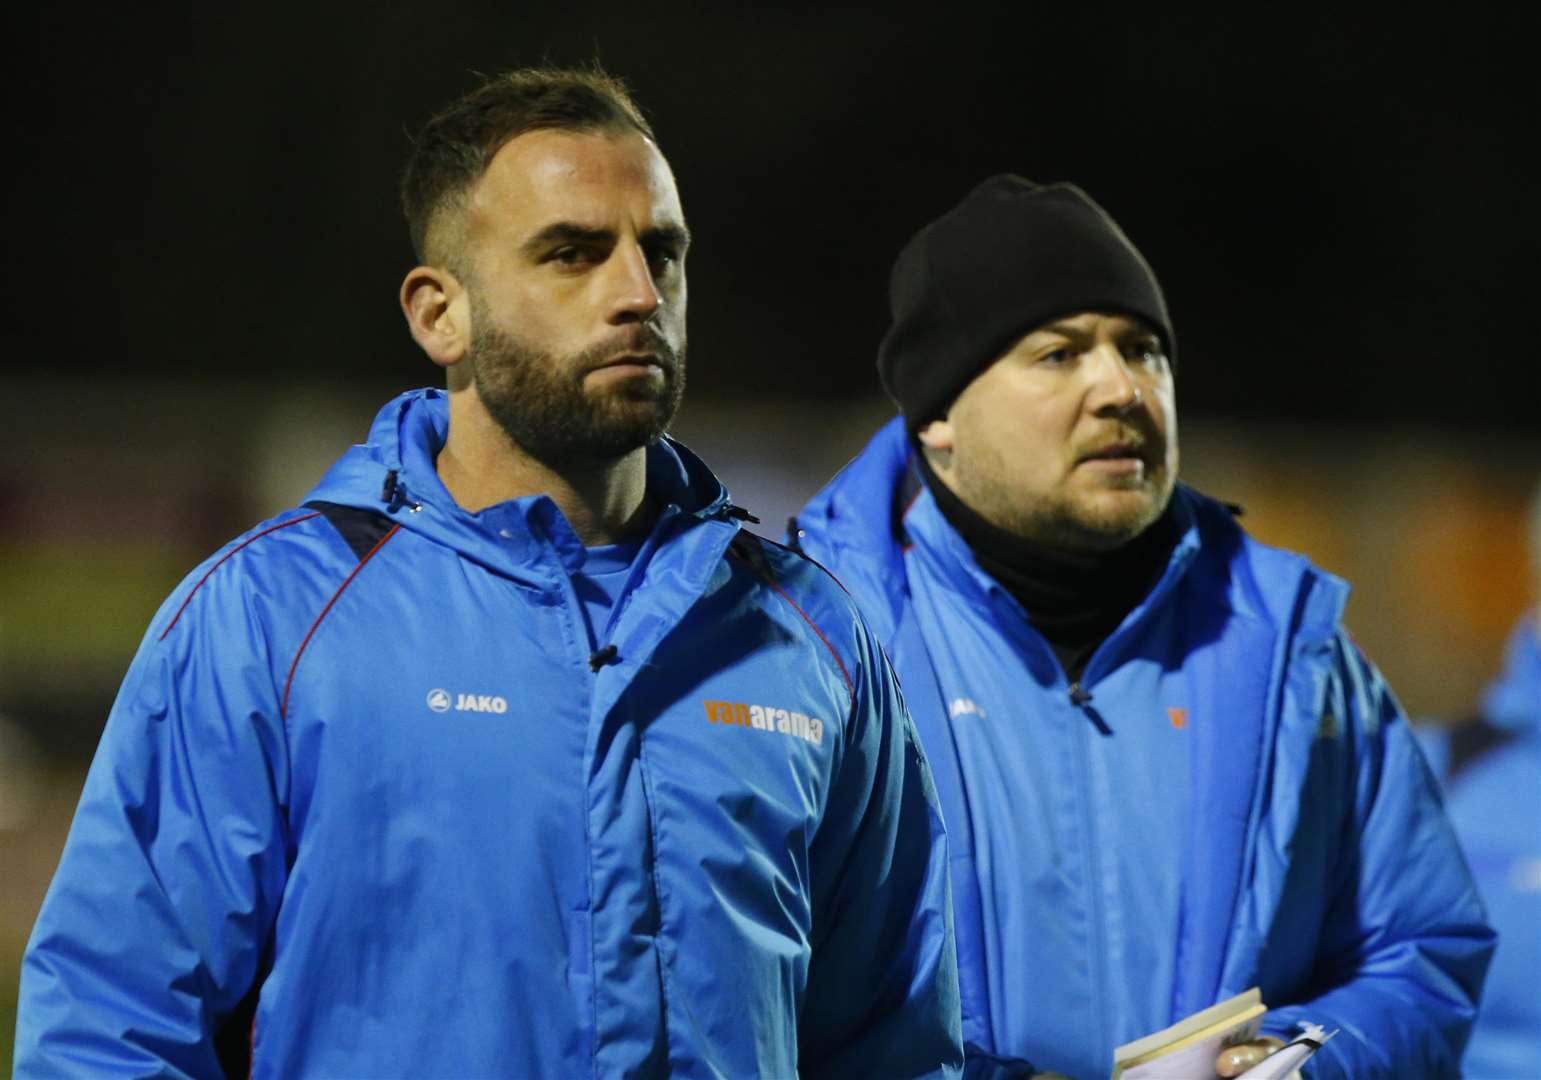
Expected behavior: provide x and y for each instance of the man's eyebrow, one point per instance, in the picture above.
(676, 236)
(566, 232)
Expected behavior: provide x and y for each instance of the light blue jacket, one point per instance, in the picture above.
(368, 765)
(1315, 862)
(1494, 799)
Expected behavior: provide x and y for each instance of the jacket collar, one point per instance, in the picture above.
(394, 473)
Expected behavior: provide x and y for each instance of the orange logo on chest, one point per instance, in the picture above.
(765, 718)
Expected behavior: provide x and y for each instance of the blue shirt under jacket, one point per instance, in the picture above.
(367, 772)
(1302, 849)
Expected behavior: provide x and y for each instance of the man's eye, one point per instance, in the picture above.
(573, 256)
(1145, 352)
(1058, 356)
(663, 260)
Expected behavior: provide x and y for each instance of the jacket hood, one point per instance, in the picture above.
(854, 523)
(394, 473)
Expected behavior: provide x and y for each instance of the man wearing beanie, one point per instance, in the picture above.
(1168, 774)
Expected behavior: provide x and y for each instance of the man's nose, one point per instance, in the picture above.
(1114, 389)
(634, 295)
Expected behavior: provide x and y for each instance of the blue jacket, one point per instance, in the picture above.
(367, 771)
(1305, 853)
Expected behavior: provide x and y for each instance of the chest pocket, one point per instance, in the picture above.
(740, 722)
(737, 740)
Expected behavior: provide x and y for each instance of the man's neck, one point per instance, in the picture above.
(481, 466)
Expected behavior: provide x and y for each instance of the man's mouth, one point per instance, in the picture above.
(632, 360)
(1119, 451)
(635, 351)
(637, 364)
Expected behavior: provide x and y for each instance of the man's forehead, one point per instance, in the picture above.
(583, 177)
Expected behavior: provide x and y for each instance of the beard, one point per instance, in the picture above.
(541, 402)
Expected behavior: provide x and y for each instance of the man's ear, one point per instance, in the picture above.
(937, 435)
(936, 442)
(438, 311)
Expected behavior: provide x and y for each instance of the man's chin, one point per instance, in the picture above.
(1111, 518)
(635, 404)
(623, 427)
(643, 419)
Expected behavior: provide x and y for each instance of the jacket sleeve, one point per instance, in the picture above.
(1406, 945)
(153, 928)
(882, 997)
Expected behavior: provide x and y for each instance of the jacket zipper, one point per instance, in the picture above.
(1097, 946)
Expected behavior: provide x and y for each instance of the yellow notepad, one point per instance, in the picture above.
(1188, 1048)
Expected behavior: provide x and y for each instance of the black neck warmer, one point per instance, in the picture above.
(1074, 598)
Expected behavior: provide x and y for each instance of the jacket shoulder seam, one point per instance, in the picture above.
(761, 567)
(226, 558)
(283, 709)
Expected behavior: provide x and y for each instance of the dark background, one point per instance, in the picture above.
(1339, 205)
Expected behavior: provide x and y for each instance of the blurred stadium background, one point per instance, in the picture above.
(199, 301)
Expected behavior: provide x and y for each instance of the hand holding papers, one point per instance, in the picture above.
(1284, 1062)
(1189, 1048)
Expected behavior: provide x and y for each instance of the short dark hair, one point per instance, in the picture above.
(457, 144)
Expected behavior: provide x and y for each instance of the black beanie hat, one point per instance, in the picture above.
(1010, 257)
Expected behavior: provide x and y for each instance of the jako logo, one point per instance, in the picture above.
(766, 718)
(440, 701)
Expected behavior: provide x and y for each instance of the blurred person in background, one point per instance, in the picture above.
(1168, 774)
(1491, 766)
(509, 753)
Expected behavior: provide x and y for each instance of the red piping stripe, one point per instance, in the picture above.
(771, 581)
(283, 710)
(228, 554)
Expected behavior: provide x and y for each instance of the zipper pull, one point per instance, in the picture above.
(394, 494)
(600, 657)
(1081, 698)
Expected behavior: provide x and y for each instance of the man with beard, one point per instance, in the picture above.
(509, 753)
(1167, 772)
